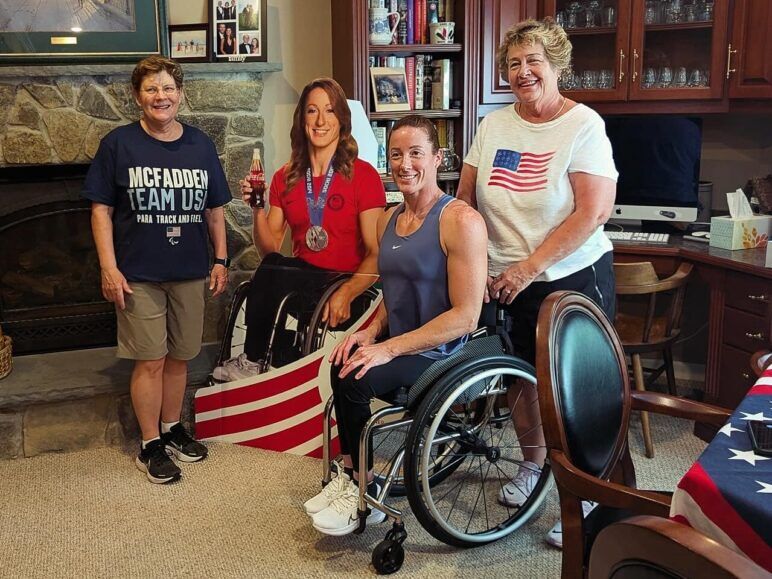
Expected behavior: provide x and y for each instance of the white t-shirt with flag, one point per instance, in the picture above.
(523, 190)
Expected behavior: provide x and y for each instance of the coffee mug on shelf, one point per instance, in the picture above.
(380, 31)
(441, 32)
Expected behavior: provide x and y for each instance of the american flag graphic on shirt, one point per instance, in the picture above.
(520, 172)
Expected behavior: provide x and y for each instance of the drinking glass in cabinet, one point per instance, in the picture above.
(679, 81)
(605, 79)
(695, 77)
(560, 18)
(649, 77)
(665, 77)
(706, 12)
(573, 9)
(690, 13)
(673, 11)
(609, 15)
(590, 79)
(591, 13)
(651, 14)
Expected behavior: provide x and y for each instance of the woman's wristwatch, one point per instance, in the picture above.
(224, 261)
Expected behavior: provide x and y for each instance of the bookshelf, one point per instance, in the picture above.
(353, 55)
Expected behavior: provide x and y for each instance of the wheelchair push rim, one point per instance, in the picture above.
(466, 512)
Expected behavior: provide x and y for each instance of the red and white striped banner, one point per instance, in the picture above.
(281, 410)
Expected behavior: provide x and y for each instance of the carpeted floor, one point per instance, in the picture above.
(238, 514)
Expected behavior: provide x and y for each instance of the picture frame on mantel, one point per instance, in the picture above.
(94, 31)
(239, 30)
(190, 42)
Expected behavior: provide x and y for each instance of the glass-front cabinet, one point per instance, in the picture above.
(644, 49)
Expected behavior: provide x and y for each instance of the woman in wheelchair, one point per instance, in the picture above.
(330, 200)
(432, 263)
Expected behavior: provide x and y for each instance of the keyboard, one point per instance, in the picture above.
(637, 236)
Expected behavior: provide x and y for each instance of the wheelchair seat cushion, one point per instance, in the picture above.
(487, 346)
(396, 397)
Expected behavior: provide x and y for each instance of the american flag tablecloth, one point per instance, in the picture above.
(727, 493)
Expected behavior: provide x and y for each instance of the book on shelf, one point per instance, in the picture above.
(410, 75)
(402, 27)
(442, 131)
(420, 63)
(410, 22)
(441, 84)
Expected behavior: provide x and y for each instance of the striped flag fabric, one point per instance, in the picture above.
(520, 172)
(727, 493)
(281, 410)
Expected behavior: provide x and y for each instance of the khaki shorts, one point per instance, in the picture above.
(162, 319)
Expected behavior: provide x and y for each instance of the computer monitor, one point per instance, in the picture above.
(658, 159)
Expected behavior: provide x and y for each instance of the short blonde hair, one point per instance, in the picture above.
(557, 46)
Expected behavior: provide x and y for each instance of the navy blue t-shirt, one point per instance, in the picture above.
(159, 191)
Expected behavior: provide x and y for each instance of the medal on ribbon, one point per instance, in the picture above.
(316, 237)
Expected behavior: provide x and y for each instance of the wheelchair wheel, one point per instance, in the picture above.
(236, 327)
(459, 423)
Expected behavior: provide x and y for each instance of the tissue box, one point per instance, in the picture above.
(740, 233)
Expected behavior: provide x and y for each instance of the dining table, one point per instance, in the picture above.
(727, 493)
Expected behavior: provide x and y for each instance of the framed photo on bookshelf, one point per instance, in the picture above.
(189, 42)
(390, 89)
(239, 30)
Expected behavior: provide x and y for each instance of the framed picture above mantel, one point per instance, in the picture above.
(66, 31)
(239, 30)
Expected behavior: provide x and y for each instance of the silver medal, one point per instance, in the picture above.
(316, 238)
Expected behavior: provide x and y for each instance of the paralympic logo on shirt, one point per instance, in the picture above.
(520, 172)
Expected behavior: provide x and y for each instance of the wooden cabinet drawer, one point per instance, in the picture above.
(749, 293)
(745, 331)
(735, 376)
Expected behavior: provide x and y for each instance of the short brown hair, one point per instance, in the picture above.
(419, 122)
(557, 46)
(153, 65)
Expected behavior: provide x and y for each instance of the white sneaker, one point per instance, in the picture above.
(237, 368)
(332, 491)
(555, 536)
(341, 517)
(515, 493)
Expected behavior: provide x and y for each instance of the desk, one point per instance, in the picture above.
(739, 314)
(727, 493)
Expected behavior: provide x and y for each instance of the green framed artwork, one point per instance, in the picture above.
(67, 31)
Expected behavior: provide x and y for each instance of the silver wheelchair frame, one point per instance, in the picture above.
(459, 380)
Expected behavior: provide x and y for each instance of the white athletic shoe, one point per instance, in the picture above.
(341, 517)
(555, 536)
(237, 368)
(515, 493)
(336, 487)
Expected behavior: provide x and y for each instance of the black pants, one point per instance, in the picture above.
(595, 281)
(276, 277)
(352, 397)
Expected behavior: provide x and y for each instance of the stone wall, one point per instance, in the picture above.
(61, 119)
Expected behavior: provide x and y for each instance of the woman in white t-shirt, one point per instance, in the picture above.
(542, 175)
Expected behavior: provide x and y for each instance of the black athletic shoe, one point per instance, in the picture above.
(182, 445)
(156, 464)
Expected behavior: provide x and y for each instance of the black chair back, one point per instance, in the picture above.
(589, 393)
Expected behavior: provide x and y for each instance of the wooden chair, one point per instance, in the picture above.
(654, 331)
(650, 547)
(585, 403)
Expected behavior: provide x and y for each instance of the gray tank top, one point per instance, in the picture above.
(414, 274)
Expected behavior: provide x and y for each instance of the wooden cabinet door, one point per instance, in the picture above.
(662, 49)
(750, 60)
(497, 17)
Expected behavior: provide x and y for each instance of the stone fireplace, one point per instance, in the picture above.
(52, 119)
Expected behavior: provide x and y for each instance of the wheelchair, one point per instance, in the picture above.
(448, 443)
(303, 332)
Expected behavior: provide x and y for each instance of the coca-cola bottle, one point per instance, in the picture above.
(257, 180)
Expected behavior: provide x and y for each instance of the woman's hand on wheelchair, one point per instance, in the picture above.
(337, 309)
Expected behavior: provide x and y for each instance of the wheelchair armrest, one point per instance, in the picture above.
(607, 493)
(679, 407)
